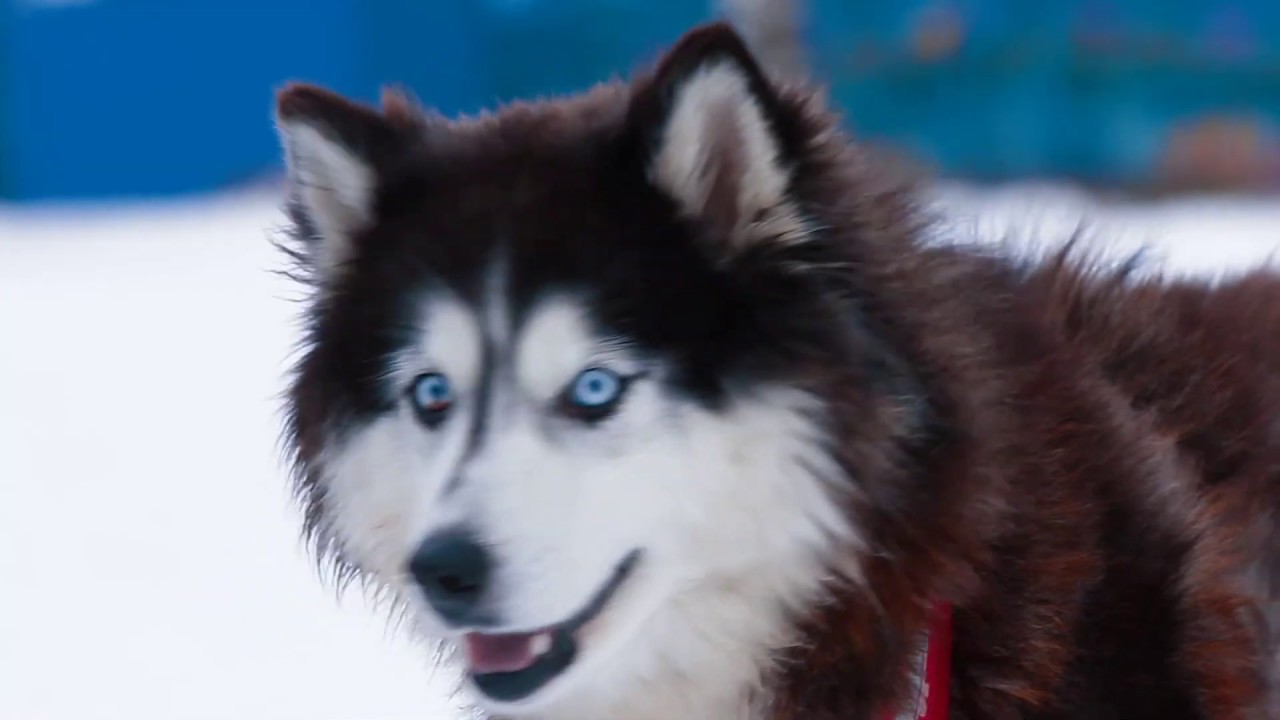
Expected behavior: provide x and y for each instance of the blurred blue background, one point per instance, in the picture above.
(145, 98)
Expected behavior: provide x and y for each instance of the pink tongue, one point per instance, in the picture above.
(499, 653)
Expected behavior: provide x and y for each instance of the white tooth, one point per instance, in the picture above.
(541, 644)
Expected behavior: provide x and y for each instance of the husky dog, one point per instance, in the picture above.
(655, 403)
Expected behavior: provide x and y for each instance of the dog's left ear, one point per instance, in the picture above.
(716, 137)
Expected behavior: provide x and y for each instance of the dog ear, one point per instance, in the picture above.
(334, 151)
(717, 138)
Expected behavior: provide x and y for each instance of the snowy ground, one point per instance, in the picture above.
(149, 562)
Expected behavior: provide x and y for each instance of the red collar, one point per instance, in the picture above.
(934, 693)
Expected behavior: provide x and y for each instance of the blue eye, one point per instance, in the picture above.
(432, 396)
(595, 393)
(596, 387)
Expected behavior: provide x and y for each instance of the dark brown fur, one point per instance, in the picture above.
(1085, 462)
(1103, 511)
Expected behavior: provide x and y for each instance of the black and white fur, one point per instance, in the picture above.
(716, 472)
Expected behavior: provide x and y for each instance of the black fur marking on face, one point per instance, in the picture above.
(483, 403)
(478, 431)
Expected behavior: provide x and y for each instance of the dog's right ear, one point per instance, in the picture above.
(334, 151)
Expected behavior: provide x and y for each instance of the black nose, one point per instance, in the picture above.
(453, 571)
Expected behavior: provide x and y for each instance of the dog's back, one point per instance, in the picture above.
(1198, 364)
(1205, 362)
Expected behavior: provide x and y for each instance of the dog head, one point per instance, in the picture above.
(568, 376)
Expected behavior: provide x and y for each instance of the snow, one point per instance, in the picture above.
(150, 565)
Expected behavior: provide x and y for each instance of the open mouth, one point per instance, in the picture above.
(512, 666)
